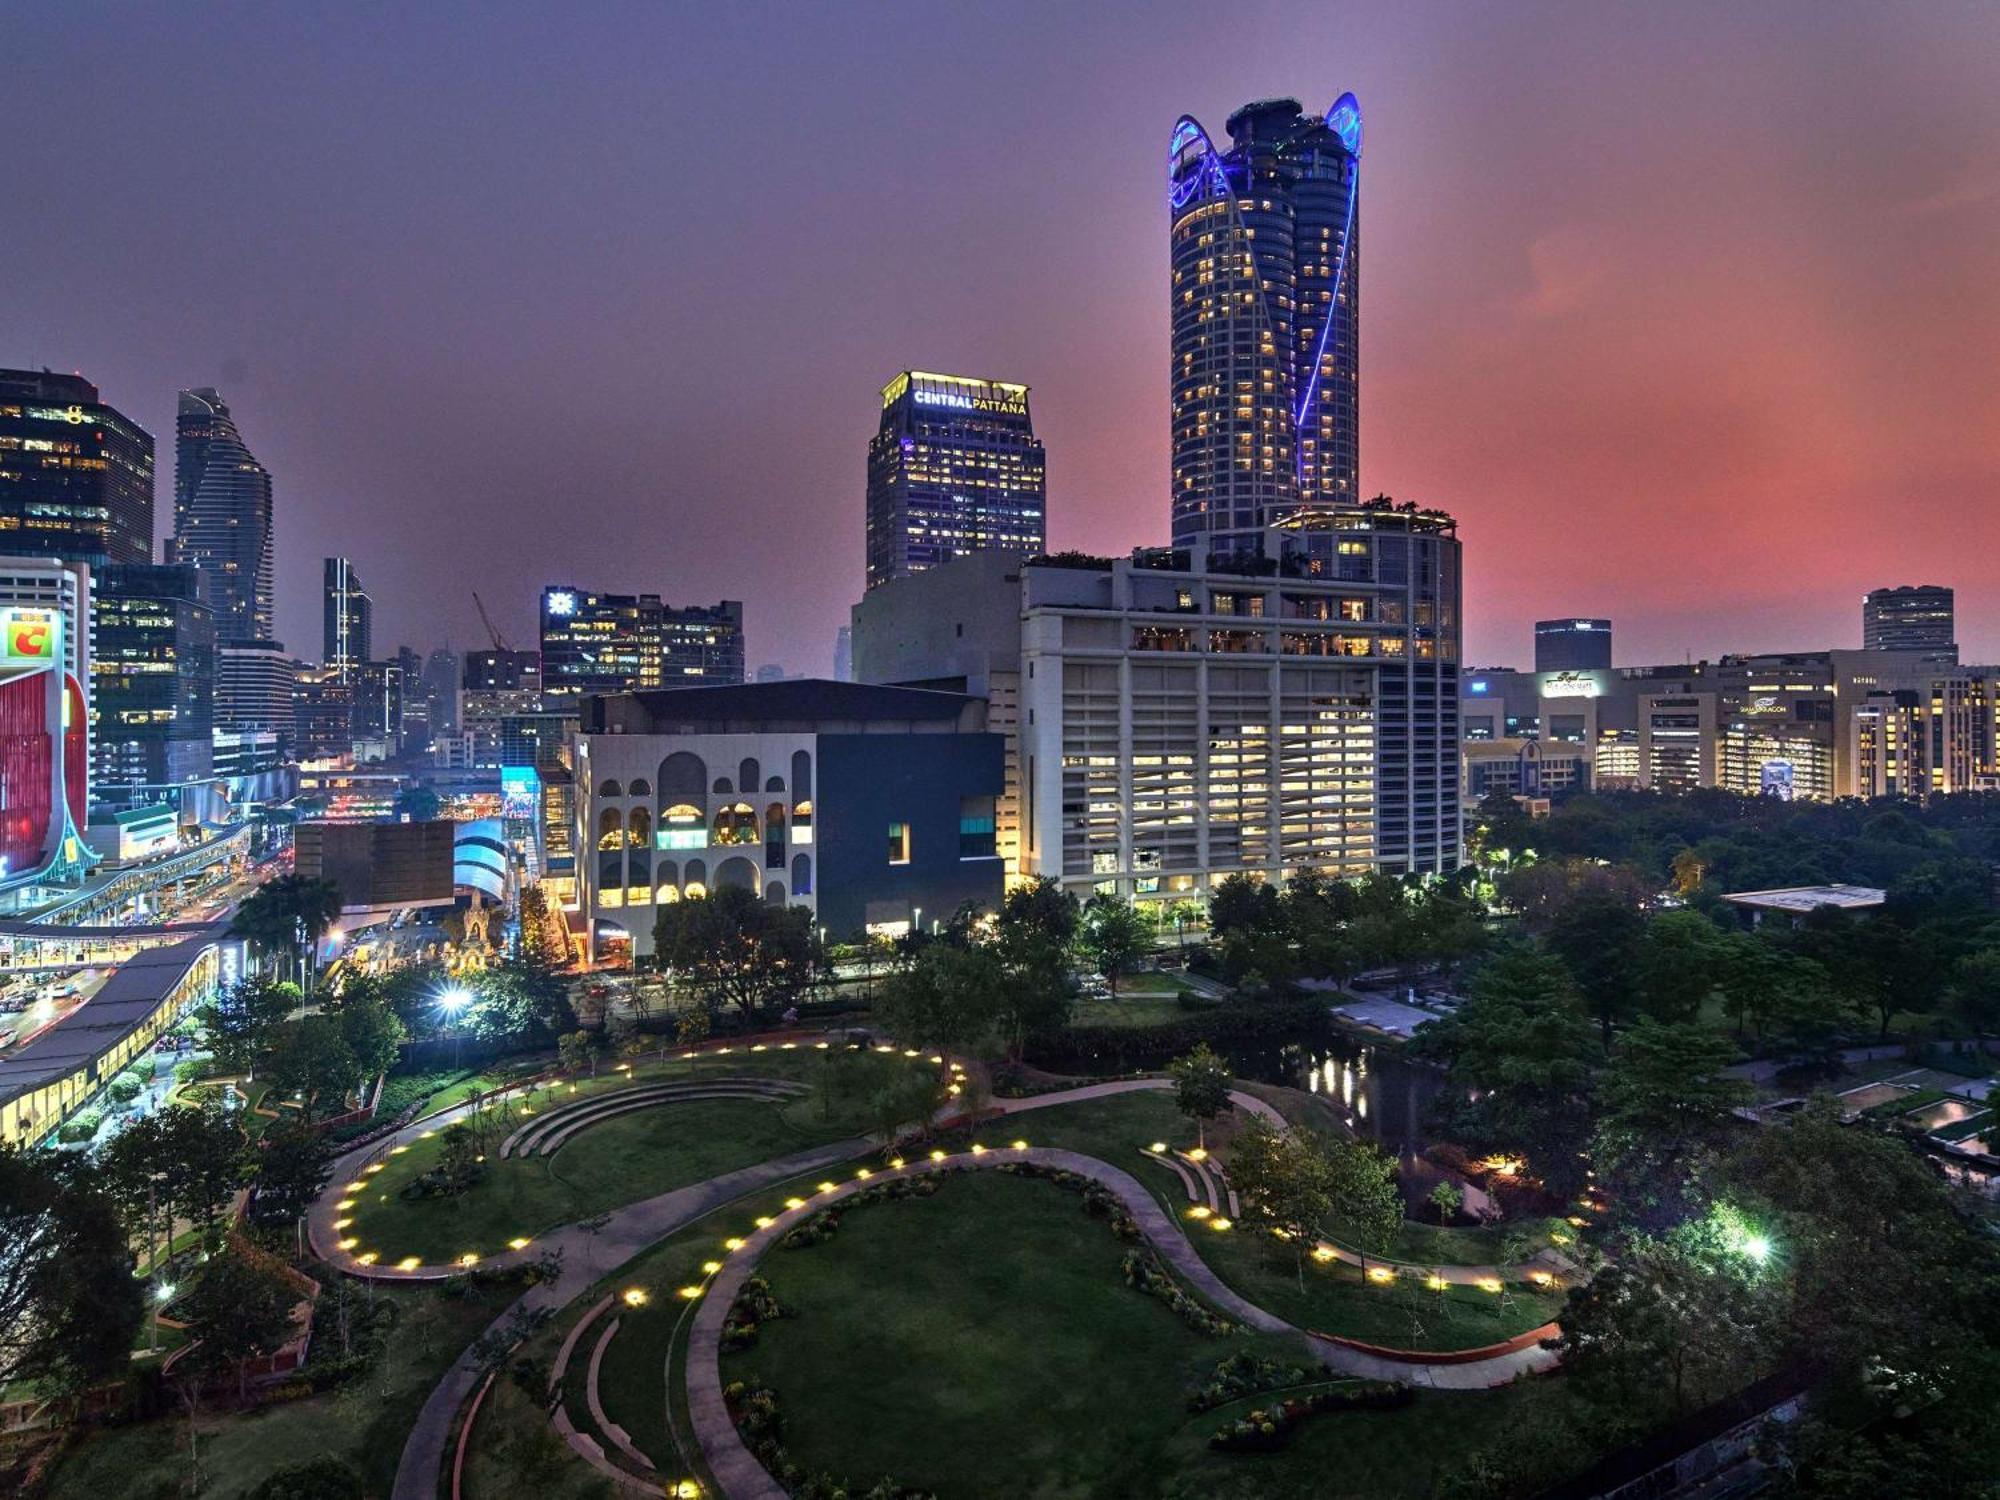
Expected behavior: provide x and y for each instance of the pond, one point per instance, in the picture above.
(1381, 1095)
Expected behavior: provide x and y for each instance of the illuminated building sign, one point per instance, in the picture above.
(972, 403)
(520, 792)
(70, 414)
(1570, 685)
(29, 635)
(561, 602)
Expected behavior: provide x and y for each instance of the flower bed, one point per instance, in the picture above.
(1244, 1374)
(1143, 1270)
(754, 1304)
(1270, 1428)
(754, 1408)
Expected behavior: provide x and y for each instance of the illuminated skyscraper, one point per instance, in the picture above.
(222, 515)
(1911, 617)
(954, 468)
(621, 643)
(348, 616)
(76, 478)
(1265, 320)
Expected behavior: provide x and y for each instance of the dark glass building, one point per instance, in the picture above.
(1265, 325)
(223, 516)
(347, 616)
(621, 643)
(1911, 617)
(152, 667)
(954, 468)
(76, 478)
(1572, 645)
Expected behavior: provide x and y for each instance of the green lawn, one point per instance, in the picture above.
(620, 1161)
(980, 1342)
(362, 1423)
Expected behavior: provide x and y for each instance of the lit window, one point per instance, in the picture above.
(899, 843)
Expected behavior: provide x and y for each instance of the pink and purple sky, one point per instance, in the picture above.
(1691, 313)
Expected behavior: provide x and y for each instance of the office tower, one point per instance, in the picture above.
(1265, 323)
(955, 467)
(616, 643)
(44, 724)
(348, 618)
(1912, 617)
(843, 654)
(223, 516)
(1572, 645)
(440, 683)
(499, 689)
(322, 715)
(76, 477)
(153, 667)
(378, 703)
(253, 687)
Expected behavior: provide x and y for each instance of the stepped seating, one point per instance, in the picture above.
(546, 1134)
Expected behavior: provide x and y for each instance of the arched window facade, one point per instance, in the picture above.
(610, 857)
(683, 825)
(774, 783)
(802, 875)
(640, 788)
(639, 867)
(683, 775)
(613, 788)
(749, 775)
(735, 823)
(774, 836)
(738, 872)
(668, 874)
(774, 892)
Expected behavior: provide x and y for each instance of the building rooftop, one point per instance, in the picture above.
(1805, 898)
(746, 707)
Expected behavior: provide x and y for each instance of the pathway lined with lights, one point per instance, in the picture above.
(738, 1474)
(586, 1258)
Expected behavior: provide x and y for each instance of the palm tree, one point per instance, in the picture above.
(288, 916)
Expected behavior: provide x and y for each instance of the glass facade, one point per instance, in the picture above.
(954, 468)
(152, 664)
(1266, 296)
(76, 478)
(621, 643)
(223, 515)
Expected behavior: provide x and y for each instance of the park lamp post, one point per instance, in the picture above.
(453, 1003)
(162, 1295)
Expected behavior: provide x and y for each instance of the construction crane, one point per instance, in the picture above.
(499, 641)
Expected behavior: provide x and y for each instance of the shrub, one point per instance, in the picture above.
(125, 1088)
(1270, 1428)
(81, 1127)
(754, 1406)
(1144, 1272)
(321, 1478)
(755, 1304)
(1244, 1374)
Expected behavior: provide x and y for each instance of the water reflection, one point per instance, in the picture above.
(1380, 1095)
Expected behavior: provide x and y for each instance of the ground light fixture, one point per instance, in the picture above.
(635, 1296)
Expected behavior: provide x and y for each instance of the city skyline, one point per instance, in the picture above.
(1559, 344)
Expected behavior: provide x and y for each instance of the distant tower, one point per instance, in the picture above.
(1266, 301)
(223, 516)
(348, 616)
(1572, 645)
(1911, 617)
(843, 654)
(955, 467)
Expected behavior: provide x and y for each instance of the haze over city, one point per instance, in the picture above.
(1686, 314)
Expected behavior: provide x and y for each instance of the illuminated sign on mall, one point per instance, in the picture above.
(971, 403)
(1569, 685)
(29, 635)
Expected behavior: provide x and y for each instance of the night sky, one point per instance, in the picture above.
(1690, 313)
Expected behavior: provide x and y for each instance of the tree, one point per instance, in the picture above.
(576, 1050)
(951, 997)
(1663, 1103)
(284, 919)
(1367, 1203)
(417, 804)
(1975, 991)
(1522, 1044)
(243, 1021)
(291, 1166)
(1201, 1086)
(239, 1309)
(1237, 903)
(1598, 936)
(733, 947)
(371, 1032)
(1042, 907)
(70, 1306)
(1447, 1197)
(1114, 937)
(1682, 959)
(1285, 1181)
(313, 1061)
(544, 938)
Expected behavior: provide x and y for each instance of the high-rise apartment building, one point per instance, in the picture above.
(621, 643)
(348, 618)
(1572, 645)
(153, 666)
(223, 516)
(76, 477)
(1912, 617)
(1265, 326)
(253, 688)
(955, 467)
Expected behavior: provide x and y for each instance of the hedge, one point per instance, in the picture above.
(1098, 1049)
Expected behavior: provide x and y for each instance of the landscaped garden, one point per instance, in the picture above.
(453, 1193)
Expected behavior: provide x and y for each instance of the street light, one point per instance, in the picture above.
(453, 1003)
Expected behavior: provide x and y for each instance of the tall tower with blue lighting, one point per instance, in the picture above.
(1266, 293)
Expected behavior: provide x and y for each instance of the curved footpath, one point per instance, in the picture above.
(638, 1226)
(741, 1477)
